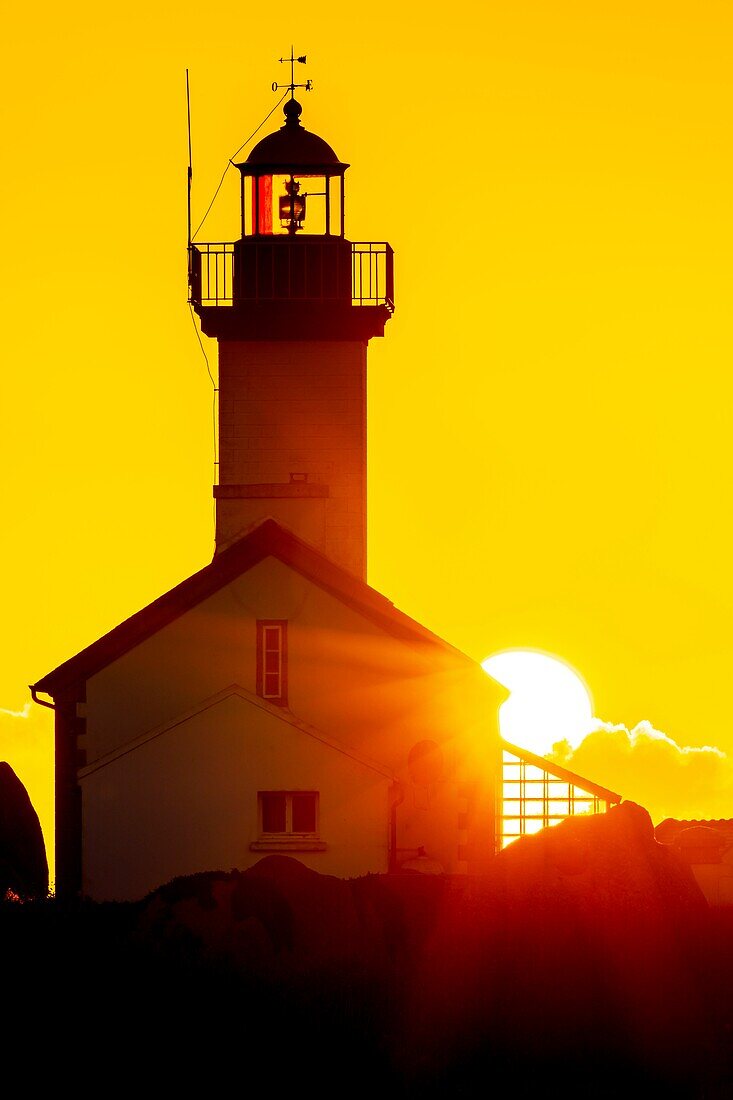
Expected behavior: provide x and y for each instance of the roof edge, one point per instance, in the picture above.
(562, 773)
(283, 714)
(268, 539)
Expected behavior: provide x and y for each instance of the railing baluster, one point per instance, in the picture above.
(213, 277)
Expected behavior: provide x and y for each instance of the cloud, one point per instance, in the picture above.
(17, 713)
(645, 765)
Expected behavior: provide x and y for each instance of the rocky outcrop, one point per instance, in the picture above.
(586, 963)
(23, 865)
(579, 949)
(279, 918)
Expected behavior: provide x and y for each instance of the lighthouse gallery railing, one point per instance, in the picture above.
(212, 280)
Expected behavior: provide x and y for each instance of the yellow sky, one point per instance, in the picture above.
(550, 411)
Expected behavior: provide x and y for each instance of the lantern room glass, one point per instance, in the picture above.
(292, 204)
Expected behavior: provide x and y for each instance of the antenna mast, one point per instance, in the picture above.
(190, 159)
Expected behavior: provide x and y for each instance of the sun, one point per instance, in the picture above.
(548, 700)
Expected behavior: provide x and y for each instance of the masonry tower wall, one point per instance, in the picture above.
(292, 442)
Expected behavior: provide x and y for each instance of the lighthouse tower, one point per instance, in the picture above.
(293, 305)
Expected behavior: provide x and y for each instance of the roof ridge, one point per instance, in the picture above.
(267, 539)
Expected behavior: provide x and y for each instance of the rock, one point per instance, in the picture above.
(276, 918)
(23, 865)
(579, 948)
(604, 862)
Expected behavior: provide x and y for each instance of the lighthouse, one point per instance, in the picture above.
(273, 702)
(293, 305)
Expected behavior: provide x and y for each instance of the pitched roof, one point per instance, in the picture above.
(669, 831)
(268, 539)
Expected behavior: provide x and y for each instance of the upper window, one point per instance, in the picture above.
(272, 660)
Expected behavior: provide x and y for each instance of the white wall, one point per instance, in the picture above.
(372, 692)
(186, 801)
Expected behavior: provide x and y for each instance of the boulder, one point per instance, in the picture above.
(23, 865)
(579, 948)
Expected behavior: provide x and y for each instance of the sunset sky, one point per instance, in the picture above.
(549, 412)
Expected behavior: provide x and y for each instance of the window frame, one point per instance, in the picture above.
(289, 840)
(263, 625)
(533, 795)
(289, 832)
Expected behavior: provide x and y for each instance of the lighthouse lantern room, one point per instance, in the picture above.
(293, 182)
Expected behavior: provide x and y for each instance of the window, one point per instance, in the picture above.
(272, 660)
(534, 797)
(288, 820)
(289, 813)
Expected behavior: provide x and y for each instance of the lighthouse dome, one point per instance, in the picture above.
(292, 146)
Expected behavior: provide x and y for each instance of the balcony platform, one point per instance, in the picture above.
(279, 288)
(293, 320)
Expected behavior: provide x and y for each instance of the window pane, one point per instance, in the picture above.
(534, 808)
(273, 812)
(272, 686)
(272, 677)
(304, 813)
(334, 186)
(533, 772)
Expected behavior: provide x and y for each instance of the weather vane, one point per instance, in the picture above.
(292, 85)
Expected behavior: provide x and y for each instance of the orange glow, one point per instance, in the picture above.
(550, 410)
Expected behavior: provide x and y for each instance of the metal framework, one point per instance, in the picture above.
(536, 794)
(371, 275)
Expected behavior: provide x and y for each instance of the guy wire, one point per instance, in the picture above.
(231, 160)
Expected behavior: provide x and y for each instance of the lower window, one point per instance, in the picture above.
(288, 819)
